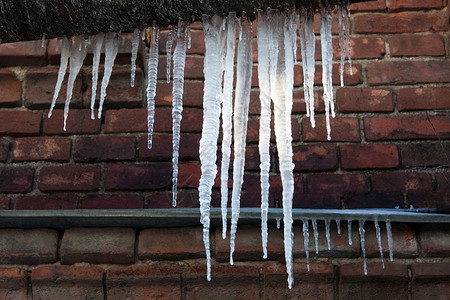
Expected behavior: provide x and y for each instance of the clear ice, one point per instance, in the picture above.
(98, 43)
(169, 44)
(134, 51)
(390, 242)
(316, 235)
(327, 233)
(306, 240)
(362, 233)
(151, 85)
(65, 53)
(378, 233)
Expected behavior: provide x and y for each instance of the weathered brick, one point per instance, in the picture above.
(427, 199)
(104, 148)
(364, 100)
(443, 182)
(385, 199)
(69, 178)
(227, 282)
(192, 94)
(362, 47)
(16, 180)
(4, 149)
(408, 72)
(20, 122)
(13, 283)
(143, 282)
(63, 282)
(417, 45)
(126, 120)
(28, 246)
(186, 198)
(369, 156)
(395, 5)
(162, 147)
(11, 89)
(171, 243)
(62, 201)
(426, 154)
(40, 88)
(349, 79)
(340, 184)
(112, 202)
(193, 67)
(390, 282)
(400, 181)
(78, 122)
(314, 157)
(41, 148)
(343, 129)
(406, 128)
(98, 245)
(29, 53)
(423, 98)
(4, 202)
(315, 284)
(138, 177)
(435, 240)
(378, 5)
(403, 236)
(430, 280)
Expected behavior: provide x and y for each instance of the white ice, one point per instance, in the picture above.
(169, 43)
(327, 233)
(390, 242)
(151, 86)
(349, 229)
(98, 43)
(378, 233)
(362, 233)
(65, 53)
(306, 240)
(134, 51)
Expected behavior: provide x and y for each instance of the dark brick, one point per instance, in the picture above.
(78, 122)
(389, 199)
(20, 123)
(423, 98)
(400, 181)
(191, 120)
(343, 129)
(63, 201)
(4, 202)
(104, 148)
(369, 156)
(425, 154)
(69, 178)
(339, 184)
(162, 147)
(430, 280)
(443, 182)
(16, 180)
(4, 149)
(192, 94)
(138, 177)
(316, 201)
(186, 198)
(13, 283)
(314, 157)
(41, 148)
(112, 202)
(435, 240)
(427, 199)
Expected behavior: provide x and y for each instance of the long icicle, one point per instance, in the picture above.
(65, 53)
(169, 43)
(241, 107)
(134, 50)
(98, 43)
(151, 86)
(227, 112)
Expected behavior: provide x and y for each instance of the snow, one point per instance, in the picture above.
(151, 86)
(98, 43)
(134, 51)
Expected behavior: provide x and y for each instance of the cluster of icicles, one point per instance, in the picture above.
(277, 34)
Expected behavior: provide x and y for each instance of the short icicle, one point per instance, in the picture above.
(349, 229)
(98, 43)
(362, 233)
(179, 59)
(338, 225)
(227, 113)
(306, 240)
(134, 50)
(378, 233)
(65, 53)
(151, 86)
(316, 235)
(240, 118)
(327, 233)
(390, 241)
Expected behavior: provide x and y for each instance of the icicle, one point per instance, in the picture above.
(306, 240)
(151, 86)
(389, 237)
(316, 235)
(240, 117)
(65, 53)
(327, 233)
(362, 233)
(377, 229)
(289, 34)
(347, 35)
(211, 121)
(338, 225)
(43, 40)
(134, 50)
(278, 222)
(169, 43)
(349, 229)
(189, 36)
(264, 121)
(76, 62)
(179, 58)
(293, 31)
(112, 41)
(227, 111)
(341, 26)
(58, 42)
(98, 41)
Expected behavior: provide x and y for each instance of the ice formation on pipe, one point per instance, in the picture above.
(151, 86)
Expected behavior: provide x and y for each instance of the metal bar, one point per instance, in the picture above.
(62, 219)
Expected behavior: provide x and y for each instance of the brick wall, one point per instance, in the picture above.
(390, 147)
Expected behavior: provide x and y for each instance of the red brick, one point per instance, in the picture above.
(162, 147)
(63, 201)
(423, 98)
(385, 199)
(62, 282)
(78, 122)
(253, 130)
(363, 47)
(400, 181)
(343, 129)
(434, 240)
(13, 283)
(369, 156)
(29, 53)
(430, 280)
(171, 243)
(186, 198)
(138, 177)
(404, 241)
(28, 246)
(126, 120)
(395, 5)
(249, 244)
(379, 5)
(4, 202)
(390, 282)
(364, 100)
(189, 174)
(192, 94)
(69, 178)
(4, 149)
(424, 154)
(314, 157)
(20, 123)
(416, 45)
(104, 148)
(143, 282)
(443, 181)
(299, 105)
(353, 79)
(406, 127)
(40, 88)
(193, 68)
(98, 245)
(396, 23)
(252, 159)
(408, 72)
(340, 184)
(191, 120)
(41, 148)
(112, 202)
(16, 180)
(197, 42)
(315, 284)
(119, 92)
(427, 199)
(11, 89)
(227, 282)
